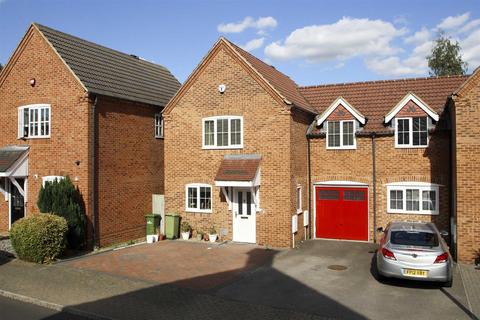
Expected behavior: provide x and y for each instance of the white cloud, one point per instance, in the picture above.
(453, 22)
(419, 37)
(341, 40)
(471, 49)
(253, 44)
(260, 24)
(469, 26)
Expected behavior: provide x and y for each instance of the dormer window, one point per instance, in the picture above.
(341, 121)
(411, 118)
(411, 132)
(341, 134)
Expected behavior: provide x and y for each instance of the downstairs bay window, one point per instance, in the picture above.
(198, 198)
(413, 198)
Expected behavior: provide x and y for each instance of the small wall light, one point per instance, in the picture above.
(32, 82)
(77, 162)
(222, 88)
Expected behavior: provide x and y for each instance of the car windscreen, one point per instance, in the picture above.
(414, 238)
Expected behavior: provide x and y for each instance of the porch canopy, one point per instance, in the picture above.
(239, 171)
(13, 164)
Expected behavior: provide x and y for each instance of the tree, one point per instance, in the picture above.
(61, 198)
(445, 59)
(1, 67)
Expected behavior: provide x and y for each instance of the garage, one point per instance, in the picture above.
(341, 212)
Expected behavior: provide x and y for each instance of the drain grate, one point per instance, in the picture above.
(337, 267)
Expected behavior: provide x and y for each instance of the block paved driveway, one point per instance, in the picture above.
(297, 279)
(194, 265)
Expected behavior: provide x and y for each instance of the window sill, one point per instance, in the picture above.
(160, 138)
(423, 213)
(222, 148)
(198, 211)
(410, 147)
(342, 148)
(34, 138)
(299, 211)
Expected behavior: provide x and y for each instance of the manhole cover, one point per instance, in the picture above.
(337, 267)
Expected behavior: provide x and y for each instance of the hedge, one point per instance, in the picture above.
(39, 238)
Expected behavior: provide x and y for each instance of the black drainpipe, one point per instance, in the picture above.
(309, 190)
(374, 168)
(94, 175)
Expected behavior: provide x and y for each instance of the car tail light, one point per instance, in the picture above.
(388, 254)
(442, 258)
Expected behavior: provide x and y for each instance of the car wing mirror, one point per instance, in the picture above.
(444, 233)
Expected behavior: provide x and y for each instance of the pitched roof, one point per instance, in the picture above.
(112, 73)
(282, 83)
(375, 99)
(238, 168)
(9, 155)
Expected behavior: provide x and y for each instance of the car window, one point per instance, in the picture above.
(414, 238)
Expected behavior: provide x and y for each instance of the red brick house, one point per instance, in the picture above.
(260, 153)
(72, 107)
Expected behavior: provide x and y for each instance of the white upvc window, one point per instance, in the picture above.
(299, 199)
(46, 179)
(158, 125)
(341, 134)
(412, 198)
(411, 132)
(223, 132)
(198, 198)
(34, 121)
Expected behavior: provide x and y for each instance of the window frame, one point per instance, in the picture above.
(299, 199)
(21, 121)
(410, 133)
(215, 132)
(342, 146)
(413, 186)
(197, 186)
(159, 125)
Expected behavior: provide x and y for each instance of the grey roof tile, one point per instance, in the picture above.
(112, 73)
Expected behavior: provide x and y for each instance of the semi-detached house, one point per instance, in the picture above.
(268, 162)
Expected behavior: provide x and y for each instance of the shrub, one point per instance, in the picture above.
(185, 227)
(61, 198)
(39, 238)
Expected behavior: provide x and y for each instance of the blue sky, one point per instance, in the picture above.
(313, 42)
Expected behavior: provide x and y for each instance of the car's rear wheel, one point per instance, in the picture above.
(448, 284)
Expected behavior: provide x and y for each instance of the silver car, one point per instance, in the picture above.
(416, 251)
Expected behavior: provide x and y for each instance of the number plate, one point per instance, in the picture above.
(416, 273)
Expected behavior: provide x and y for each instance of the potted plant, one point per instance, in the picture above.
(199, 235)
(185, 229)
(212, 234)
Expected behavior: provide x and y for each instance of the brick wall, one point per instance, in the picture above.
(56, 86)
(299, 165)
(466, 114)
(129, 168)
(266, 132)
(431, 165)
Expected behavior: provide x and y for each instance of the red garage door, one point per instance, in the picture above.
(341, 213)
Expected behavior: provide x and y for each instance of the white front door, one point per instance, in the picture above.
(244, 216)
